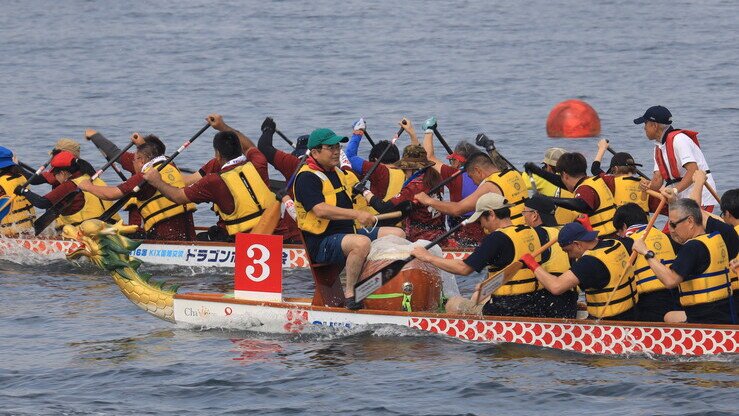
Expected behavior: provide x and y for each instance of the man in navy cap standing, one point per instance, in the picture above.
(677, 155)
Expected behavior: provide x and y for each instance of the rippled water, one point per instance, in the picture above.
(72, 344)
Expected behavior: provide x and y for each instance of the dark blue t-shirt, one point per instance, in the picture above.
(308, 191)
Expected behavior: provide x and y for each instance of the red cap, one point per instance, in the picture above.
(62, 159)
(457, 157)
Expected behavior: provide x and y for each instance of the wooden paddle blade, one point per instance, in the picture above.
(269, 220)
(493, 283)
(53, 213)
(45, 220)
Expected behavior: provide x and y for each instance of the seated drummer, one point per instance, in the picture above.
(655, 300)
(238, 193)
(163, 219)
(597, 266)
(505, 244)
(323, 202)
(701, 268)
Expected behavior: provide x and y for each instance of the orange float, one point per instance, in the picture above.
(573, 119)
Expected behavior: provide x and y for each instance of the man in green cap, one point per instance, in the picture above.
(326, 215)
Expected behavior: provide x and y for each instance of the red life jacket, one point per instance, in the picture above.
(673, 175)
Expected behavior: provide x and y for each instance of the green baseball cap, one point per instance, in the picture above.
(324, 136)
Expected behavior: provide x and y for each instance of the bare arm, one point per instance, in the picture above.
(687, 179)
(173, 193)
(408, 126)
(191, 178)
(454, 266)
(656, 181)
(556, 285)
(666, 275)
(428, 146)
(331, 212)
(108, 193)
(216, 121)
(699, 180)
(461, 207)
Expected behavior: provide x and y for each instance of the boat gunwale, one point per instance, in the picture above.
(290, 303)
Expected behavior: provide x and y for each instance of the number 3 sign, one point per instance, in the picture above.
(258, 274)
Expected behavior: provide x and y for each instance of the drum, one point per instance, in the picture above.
(416, 288)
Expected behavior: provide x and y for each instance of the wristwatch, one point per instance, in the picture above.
(649, 254)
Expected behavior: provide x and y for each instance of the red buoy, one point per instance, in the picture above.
(573, 119)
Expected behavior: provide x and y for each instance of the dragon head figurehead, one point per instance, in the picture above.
(106, 247)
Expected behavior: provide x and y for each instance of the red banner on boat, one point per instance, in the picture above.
(258, 267)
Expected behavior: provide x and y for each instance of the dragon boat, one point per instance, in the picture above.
(176, 253)
(257, 304)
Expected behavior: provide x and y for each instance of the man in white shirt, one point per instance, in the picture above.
(677, 155)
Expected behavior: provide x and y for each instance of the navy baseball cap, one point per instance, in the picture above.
(656, 113)
(575, 231)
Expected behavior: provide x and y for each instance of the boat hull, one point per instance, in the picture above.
(589, 337)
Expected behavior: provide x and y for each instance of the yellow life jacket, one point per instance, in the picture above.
(627, 190)
(358, 201)
(22, 213)
(602, 218)
(158, 208)
(659, 243)
(396, 178)
(713, 283)
(94, 207)
(307, 220)
(558, 262)
(732, 273)
(251, 197)
(525, 240)
(514, 191)
(615, 258)
(564, 215)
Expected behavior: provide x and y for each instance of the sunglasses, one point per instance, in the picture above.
(675, 224)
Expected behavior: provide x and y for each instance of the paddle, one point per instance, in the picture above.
(632, 259)
(638, 172)
(25, 167)
(489, 145)
(712, 191)
(369, 138)
(441, 140)
(486, 288)
(52, 213)
(115, 168)
(281, 134)
(5, 207)
(384, 275)
(372, 169)
(272, 215)
(108, 214)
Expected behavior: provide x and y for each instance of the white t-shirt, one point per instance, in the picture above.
(686, 151)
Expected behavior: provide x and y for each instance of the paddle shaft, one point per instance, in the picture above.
(442, 141)
(281, 134)
(712, 191)
(638, 172)
(446, 181)
(632, 259)
(108, 214)
(369, 138)
(372, 169)
(115, 168)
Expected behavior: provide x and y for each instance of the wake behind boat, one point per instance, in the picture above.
(257, 303)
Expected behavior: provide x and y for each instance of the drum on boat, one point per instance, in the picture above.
(416, 288)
